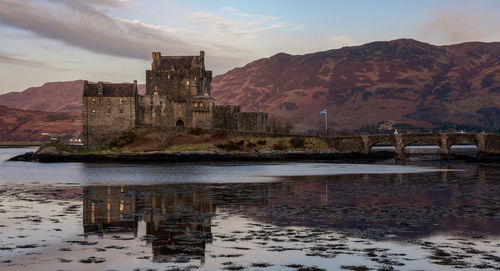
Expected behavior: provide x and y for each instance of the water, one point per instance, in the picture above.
(424, 215)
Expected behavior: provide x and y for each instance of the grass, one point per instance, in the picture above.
(191, 147)
(146, 140)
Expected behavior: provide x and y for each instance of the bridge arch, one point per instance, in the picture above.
(455, 141)
(384, 140)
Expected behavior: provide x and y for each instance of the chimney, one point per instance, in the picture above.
(100, 88)
(156, 58)
(202, 55)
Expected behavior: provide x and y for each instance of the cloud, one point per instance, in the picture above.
(89, 29)
(244, 25)
(9, 59)
(339, 41)
(79, 24)
(230, 40)
(461, 24)
(229, 9)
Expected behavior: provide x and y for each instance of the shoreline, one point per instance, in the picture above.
(182, 157)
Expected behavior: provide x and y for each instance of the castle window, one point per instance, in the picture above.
(121, 111)
(168, 76)
(201, 105)
(195, 105)
(109, 111)
(187, 82)
(109, 101)
(93, 100)
(93, 111)
(121, 101)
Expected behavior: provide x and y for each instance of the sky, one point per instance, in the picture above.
(112, 40)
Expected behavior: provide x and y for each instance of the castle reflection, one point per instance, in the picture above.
(177, 218)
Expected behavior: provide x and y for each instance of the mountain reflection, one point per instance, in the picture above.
(178, 217)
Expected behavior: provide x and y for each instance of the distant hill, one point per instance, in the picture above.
(402, 83)
(25, 125)
(51, 97)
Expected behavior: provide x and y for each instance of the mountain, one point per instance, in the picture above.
(51, 97)
(404, 84)
(396, 84)
(24, 125)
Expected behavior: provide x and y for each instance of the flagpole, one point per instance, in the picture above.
(326, 122)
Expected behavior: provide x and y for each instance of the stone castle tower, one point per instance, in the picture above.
(178, 94)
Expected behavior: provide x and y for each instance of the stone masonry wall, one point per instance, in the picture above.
(225, 117)
(252, 121)
(106, 118)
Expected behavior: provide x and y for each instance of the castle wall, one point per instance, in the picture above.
(156, 111)
(106, 118)
(173, 84)
(225, 117)
(252, 121)
(177, 94)
(202, 111)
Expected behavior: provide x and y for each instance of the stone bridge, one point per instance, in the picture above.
(486, 143)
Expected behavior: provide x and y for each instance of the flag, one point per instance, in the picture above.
(322, 112)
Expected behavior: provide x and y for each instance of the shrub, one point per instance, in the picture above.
(196, 131)
(280, 145)
(250, 145)
(125, 138)
(261, 142)
(232, 146)
(297, 142)
(59, 145)
(219, 134)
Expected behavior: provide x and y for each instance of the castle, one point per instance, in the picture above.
(178, 94)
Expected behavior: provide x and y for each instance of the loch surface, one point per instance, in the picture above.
(424, 214)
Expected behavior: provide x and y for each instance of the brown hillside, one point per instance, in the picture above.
(51, 97)
(401, 82)
(24, 125)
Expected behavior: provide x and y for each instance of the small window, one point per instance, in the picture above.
(195, 105)
(201, 105)
(93, 111)
(187, 82)
(109, 101)
(121, 111)
(109, 111)
(121, 101)
(93, 100)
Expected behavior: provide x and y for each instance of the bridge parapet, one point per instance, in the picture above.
(362, 144)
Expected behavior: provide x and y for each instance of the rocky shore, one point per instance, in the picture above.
(52, 154)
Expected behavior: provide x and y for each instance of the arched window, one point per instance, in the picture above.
(180, 123)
